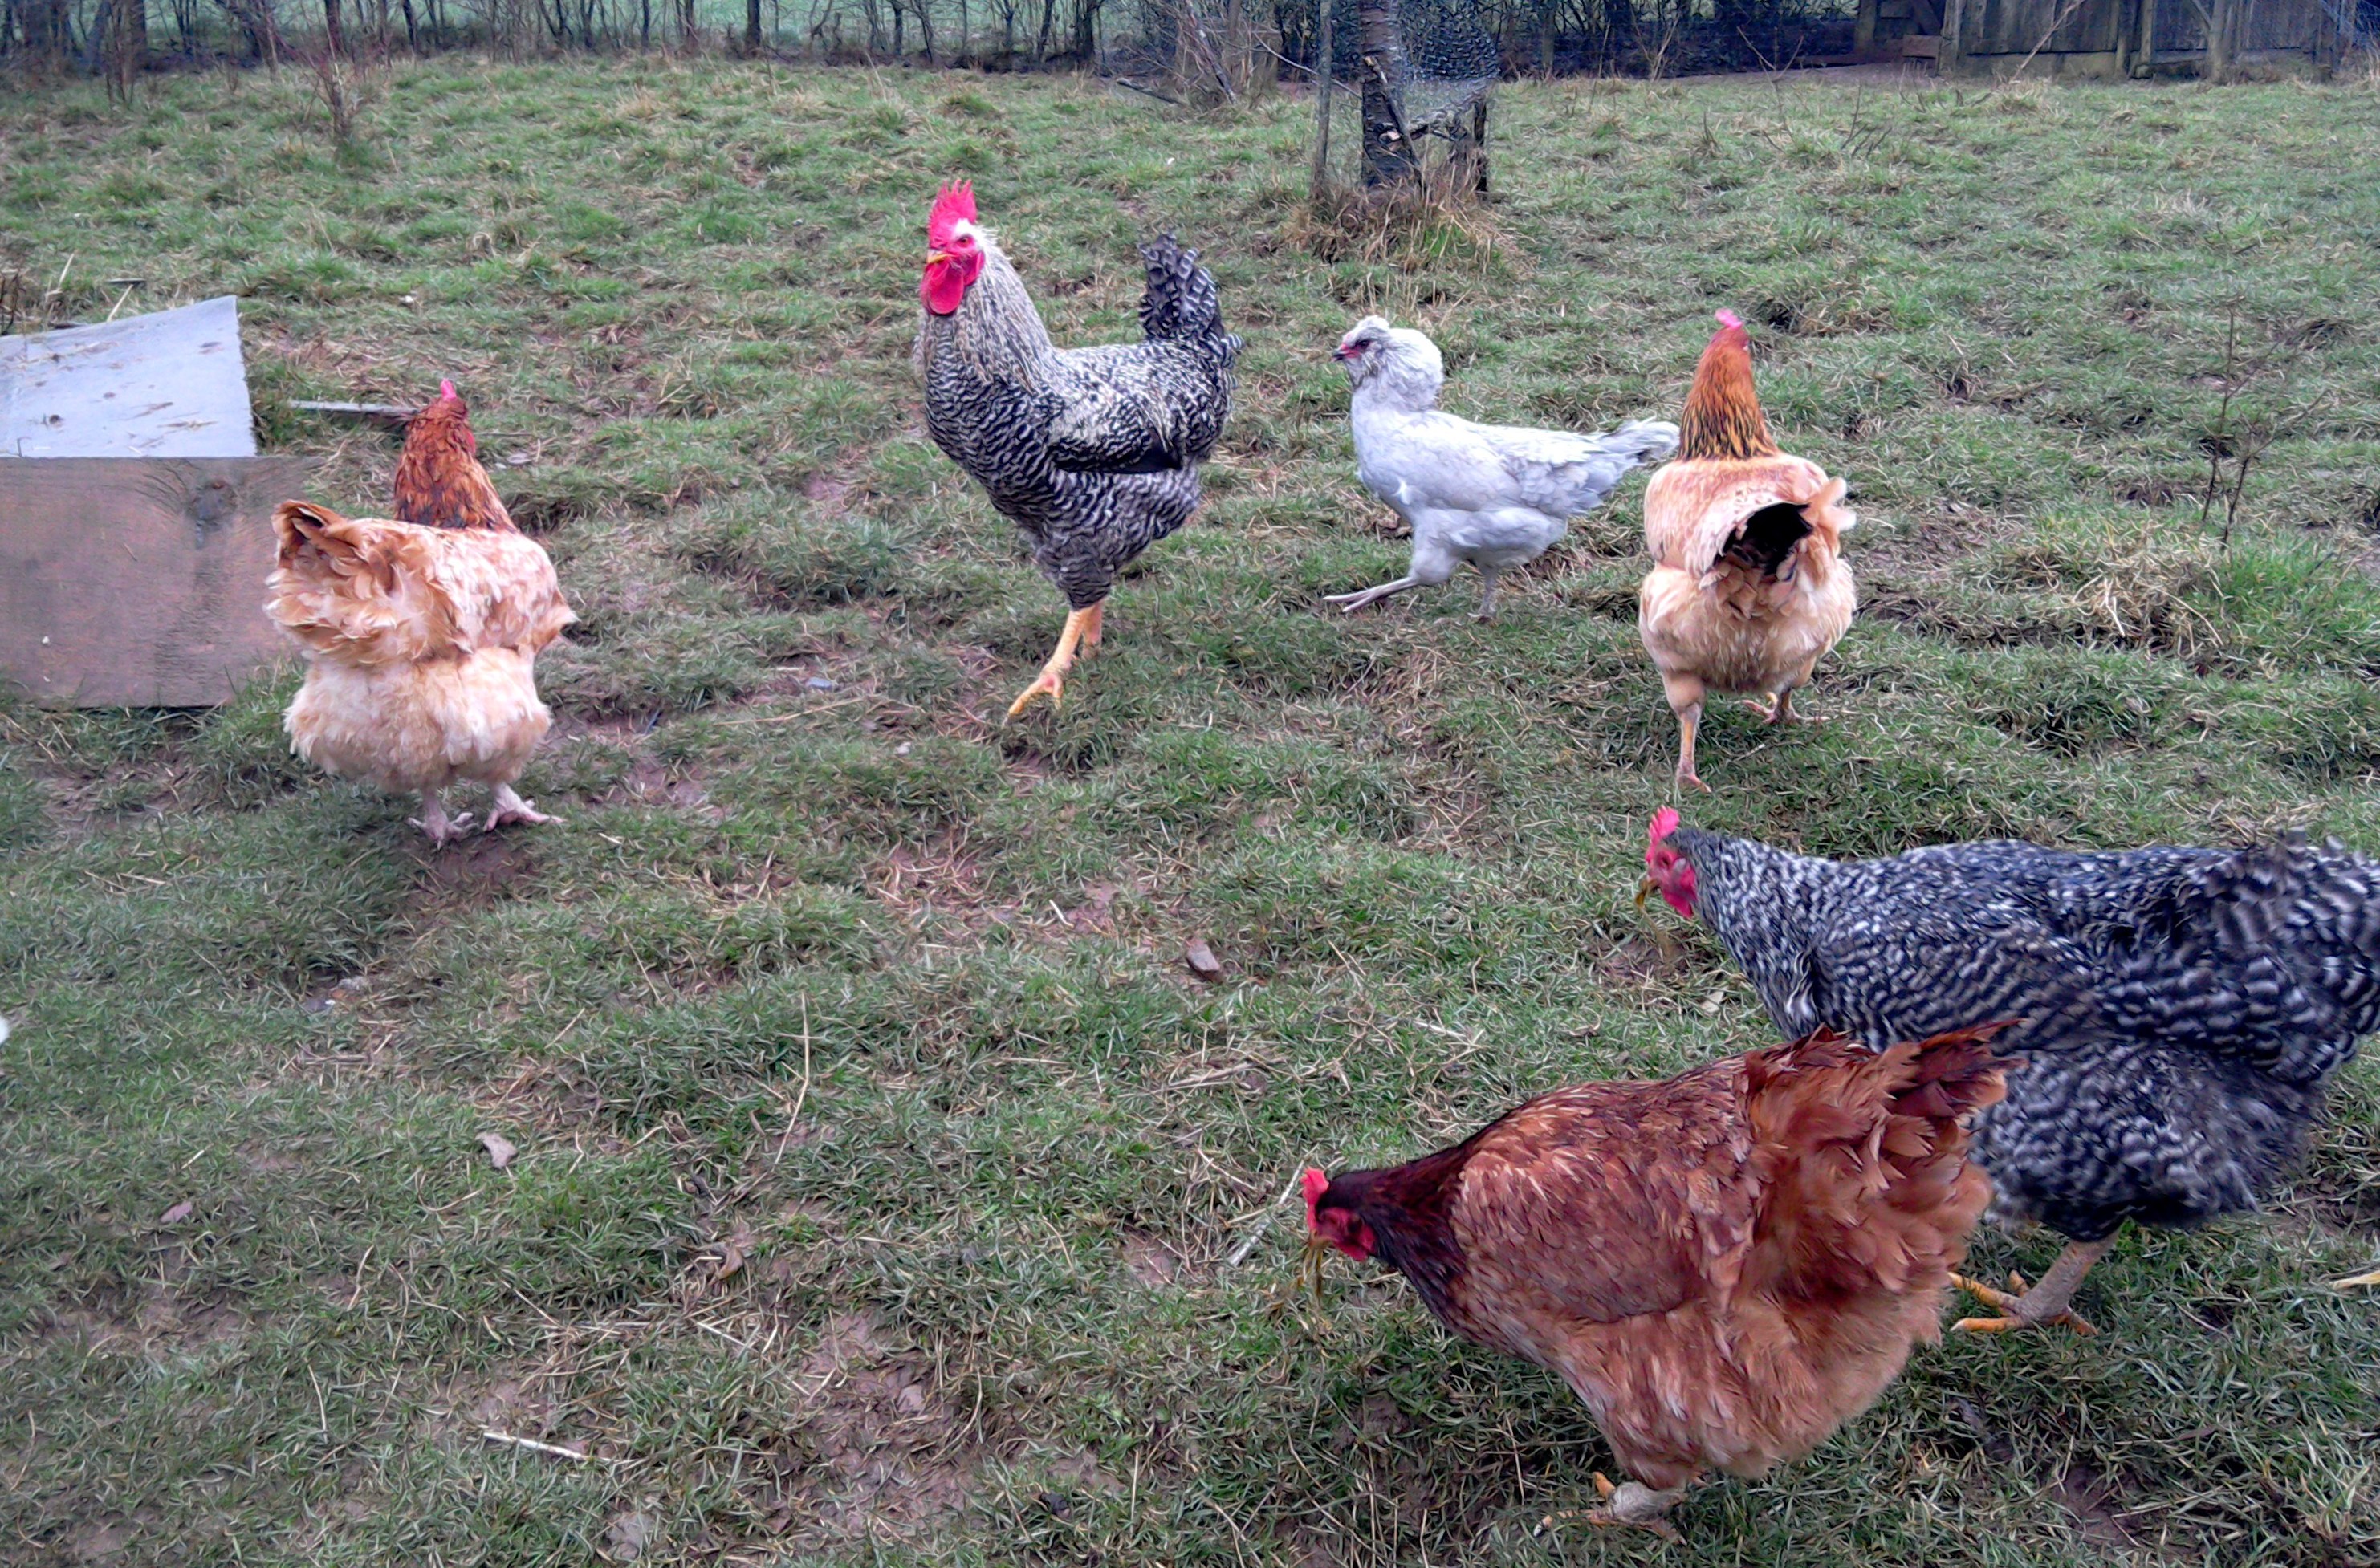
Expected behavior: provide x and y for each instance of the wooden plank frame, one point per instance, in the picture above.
(140, 582)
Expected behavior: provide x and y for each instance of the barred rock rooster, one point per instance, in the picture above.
(420, 635)
(1092, 453)
(2182, 1009)
(1748, 588)
(1725, 1267)
(1497, 496)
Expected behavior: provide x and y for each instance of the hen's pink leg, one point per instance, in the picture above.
(509, 807)
(433, 821)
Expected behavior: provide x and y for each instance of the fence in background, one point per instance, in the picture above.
(1206, 48)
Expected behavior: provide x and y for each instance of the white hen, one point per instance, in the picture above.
(1494, 495)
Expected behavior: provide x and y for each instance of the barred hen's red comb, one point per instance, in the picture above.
(954, 206)
(1665, 822)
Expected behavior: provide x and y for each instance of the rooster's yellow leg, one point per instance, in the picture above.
(1051, 681)
(2047, 1304)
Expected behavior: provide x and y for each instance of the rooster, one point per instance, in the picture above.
(1092, 453)
(2183, 1008)
(1725, 1267)
(420, 635)
(1748, 588)
(1494, 495)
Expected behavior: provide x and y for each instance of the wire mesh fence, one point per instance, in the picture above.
(1207, 49)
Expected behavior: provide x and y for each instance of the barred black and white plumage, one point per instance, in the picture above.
(2183, 1008)
(1093, 453)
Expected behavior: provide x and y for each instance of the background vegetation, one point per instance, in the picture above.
(883, 1188)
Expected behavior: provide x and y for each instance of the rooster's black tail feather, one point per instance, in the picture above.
(1181, 304)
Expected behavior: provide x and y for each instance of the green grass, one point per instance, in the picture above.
(974, 1302)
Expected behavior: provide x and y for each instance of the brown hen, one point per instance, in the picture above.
(1748, 588)
(1725, 1266)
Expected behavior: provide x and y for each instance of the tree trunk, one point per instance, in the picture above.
(751, 27)
(334, 32)
(1387, 158)
(1322, 179)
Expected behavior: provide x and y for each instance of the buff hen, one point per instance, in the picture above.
(420, 635)
(1749, 589)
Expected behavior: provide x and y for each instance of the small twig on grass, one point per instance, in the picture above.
(1264, 1223)
(800, 713)
(794, 1116)
(555, 1449)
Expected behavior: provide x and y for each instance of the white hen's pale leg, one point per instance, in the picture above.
(1349, 603)
(1488, 596)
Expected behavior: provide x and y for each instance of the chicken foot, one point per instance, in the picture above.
(1486, 595)
(2047, 1304)
(1082, 630)
(509, 807)
(1690, 718)
(2357, 1282)
(1781, 710)
(441, 829)
(1631, 1504)
(1349, 603)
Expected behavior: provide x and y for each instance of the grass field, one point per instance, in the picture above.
(887, 1189)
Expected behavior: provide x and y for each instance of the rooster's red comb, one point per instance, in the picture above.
(1730, 319)
(954, 206)
(1665, 822)
(1315, 1185)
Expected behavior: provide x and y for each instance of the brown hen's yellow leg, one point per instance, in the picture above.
(2047, 1304)
(1631, 1506)
(1689, 720)
(1052, 679)
(2357, 1282)
(1781, 710)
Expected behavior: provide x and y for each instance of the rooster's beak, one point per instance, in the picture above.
(935, 258)
(1645, 888)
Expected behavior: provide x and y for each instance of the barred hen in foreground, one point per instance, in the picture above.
(420, 635)
(2183, 1009)
(1725, 1267)
(1093, 453)
(1497, 496)
(1748, 589)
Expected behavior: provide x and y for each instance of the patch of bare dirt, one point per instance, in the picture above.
(1149, 1262)
(891, 1454)
(481, 868)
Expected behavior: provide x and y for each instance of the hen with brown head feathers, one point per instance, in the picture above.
(440, 483)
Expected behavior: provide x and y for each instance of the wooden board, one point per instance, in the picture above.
(165, 385)
(140, 582)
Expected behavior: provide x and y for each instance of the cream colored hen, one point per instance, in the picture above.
(421, 637)
(1749, 588)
